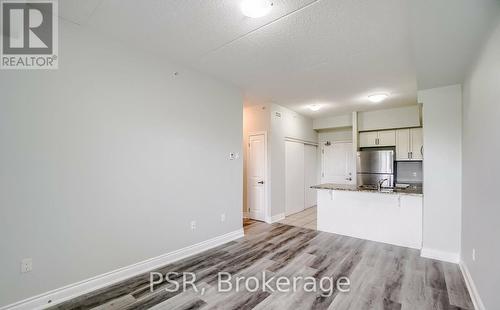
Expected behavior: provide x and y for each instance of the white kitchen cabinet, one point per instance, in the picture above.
(377, 138)
(386, 138)
(368, 139)
(417, 144)
(403, 144)
(409, 144)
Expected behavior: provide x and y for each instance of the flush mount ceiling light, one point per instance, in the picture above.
(256, 8)
(378, 97)
(314, 107)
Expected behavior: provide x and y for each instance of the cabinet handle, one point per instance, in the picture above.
(422, 150)
(409, 155)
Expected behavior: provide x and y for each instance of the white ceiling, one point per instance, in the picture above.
(447, 36)
(332, 52)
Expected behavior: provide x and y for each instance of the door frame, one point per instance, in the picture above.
(266, 175)
(322, 157)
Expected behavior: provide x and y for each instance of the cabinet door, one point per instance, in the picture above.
(368, 139)
(417, 144)
(403, 144)
(387, 138)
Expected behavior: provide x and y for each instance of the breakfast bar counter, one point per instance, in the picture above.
(393, 217)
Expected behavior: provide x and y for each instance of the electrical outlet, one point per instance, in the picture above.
(26, 265)
(473, 255)
(223, 217)
(193, 225)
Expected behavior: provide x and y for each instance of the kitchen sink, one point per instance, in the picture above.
(374, 188)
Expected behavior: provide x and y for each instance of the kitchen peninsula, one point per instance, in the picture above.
(388, 215)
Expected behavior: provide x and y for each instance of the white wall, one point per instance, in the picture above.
(442, 117)
(340, 134)
(481, 149)
(333, 122)
(389, 118)
(104, 162)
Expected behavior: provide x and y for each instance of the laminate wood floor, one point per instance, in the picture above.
(381, 276)
(306, 219)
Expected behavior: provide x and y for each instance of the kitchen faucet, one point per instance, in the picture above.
(380, 182)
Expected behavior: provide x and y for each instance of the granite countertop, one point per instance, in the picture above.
(412, 190)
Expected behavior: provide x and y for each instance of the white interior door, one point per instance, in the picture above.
(256, 177)
(337, 163)
(310, 174)
(294, 177)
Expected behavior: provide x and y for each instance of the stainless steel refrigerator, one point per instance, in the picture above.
(375, 166)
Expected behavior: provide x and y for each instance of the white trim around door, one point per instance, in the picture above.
(257, 185)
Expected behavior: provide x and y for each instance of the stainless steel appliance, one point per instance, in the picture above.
(376, 168)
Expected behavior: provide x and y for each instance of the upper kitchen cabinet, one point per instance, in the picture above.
(417, 144)
(368, 139)
(387, 138)
(377, 138)
(409, 144)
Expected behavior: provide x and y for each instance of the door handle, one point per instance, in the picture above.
(260, 182)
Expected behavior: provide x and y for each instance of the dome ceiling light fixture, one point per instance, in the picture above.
(314, 107)
(376, 98)
(256, 8)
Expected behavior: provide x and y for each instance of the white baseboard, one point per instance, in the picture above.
(440, 255)
(474, 294)
(275, 218)
(74, 290)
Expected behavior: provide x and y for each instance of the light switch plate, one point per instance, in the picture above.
(233, 156)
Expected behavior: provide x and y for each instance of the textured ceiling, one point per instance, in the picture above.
(447, 36)
(332, 52)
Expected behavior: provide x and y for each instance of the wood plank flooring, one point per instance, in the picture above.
(381, 276)
(306, 219)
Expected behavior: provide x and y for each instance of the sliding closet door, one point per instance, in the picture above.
(294, 177)
(310, 174)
